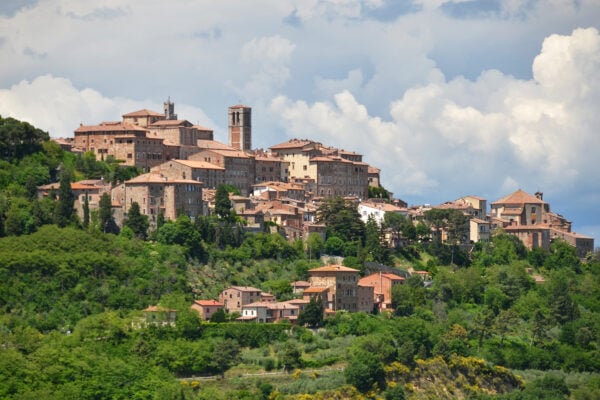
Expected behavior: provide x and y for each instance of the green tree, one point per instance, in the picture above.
(408, 296)
(342, 219)
(334, 246)
(225, 354)
(395, 393)
(64, 211)
(86, 211)
(312, 315)
(218, 316)
(105, 214)
(18, 139)
(183, 233)
(222, 203)
(314, 246)
(136, 221)
(290, 357)
(375, 247)
(423, 231)
(563, 256)
(364, 370)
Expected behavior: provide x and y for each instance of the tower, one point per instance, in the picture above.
(169, 109)
(240, 127)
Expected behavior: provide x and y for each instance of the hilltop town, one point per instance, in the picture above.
(183, 165)
(283, 187)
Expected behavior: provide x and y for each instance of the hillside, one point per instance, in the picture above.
(72, 296)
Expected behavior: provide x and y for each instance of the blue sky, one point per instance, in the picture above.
(448, 98)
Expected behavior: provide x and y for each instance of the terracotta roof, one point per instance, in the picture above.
(156, 177)
(239, 106)
(292, 144)
(230, 153)
(519, 197)
(174, 122)
(198, 164)
(245, 288)
(333, 268)
(297, 301)
(208, 303)
(144, 113)
(479, 221)
(110, 127)
(213, 144)
(373, 170)
(377, 275)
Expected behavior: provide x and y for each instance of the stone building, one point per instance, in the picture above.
(239, 166)
(93, 189)
(269, 168)
(210, 175)
(382, 284)
(328, 172)
(529, 218)
(235, 297)
(341, 284)
(156, 193)
(206, 308)
(122, 141)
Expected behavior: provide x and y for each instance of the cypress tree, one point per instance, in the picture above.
(63, 213)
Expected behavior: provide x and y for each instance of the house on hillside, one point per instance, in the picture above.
(341, 284)
(529, 218)
(235, 297)
(206, 308)
(382, 284)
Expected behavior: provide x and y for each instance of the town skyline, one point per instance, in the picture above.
(420, 93)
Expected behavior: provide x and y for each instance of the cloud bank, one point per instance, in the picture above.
(446, 97)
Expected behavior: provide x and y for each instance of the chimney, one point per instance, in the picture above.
(539, 195)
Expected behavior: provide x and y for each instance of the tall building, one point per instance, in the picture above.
(240, 127)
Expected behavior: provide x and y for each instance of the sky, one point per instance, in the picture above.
(447, 97)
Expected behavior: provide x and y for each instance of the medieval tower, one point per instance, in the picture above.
(240, 127)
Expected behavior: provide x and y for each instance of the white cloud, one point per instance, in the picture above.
(267, 60)
(463, 136)
(55, 105)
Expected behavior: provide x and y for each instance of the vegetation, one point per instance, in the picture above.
(71, 295)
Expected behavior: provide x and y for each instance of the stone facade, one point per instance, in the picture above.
(239, 167)
(240, 127)
(382, 284)
(342, 285)
(206, 308)
(156, 193)
(234, 297)
(210, 175)
(530, 219)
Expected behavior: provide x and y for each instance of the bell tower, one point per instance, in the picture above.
(169, 108)
(240, 127)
